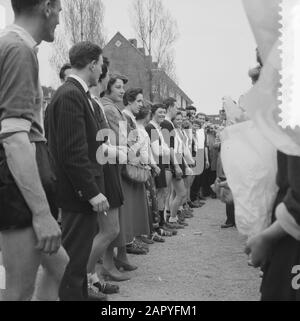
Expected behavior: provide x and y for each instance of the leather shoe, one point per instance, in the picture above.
(187, 215)
(196, 205)
(145, 240)
(180, 222)
(170, 229)
(175, 225)
(117, 278)
(227, 225)
(134, 249)
(107, 288)
(93, 295)
(125, 266)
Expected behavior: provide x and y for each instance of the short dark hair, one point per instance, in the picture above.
(65, 67)
(131, 95)
(155, 107)
(144, 112)
(83, 53)
(112, 80)
(189, 108)
(20, 6)
(169, 102)
(186, 124)
(197, 122)
(201, 114)
(104, 68)
(179, 113)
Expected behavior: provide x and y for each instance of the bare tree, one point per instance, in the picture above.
(81, 20)
(168, 66)
(157, 31)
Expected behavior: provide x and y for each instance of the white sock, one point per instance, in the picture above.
(93, 278)
(173, 219)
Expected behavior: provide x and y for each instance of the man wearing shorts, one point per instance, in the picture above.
(30, 236)
(173, 171)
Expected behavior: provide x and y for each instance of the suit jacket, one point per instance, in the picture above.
(72, 132)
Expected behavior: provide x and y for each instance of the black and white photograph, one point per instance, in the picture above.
(145, 153)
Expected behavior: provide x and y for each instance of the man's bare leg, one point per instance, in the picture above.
(168, 191)
(180, 192)
(21, 260)
(109, 231)
(50, 275)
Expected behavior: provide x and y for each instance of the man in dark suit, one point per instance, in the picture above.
(72, 132)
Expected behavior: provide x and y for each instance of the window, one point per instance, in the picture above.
(155, 89)
(118, 43)
(171, 94)
(178, 98)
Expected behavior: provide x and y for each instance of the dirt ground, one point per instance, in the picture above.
(193, 267)
(206, 267)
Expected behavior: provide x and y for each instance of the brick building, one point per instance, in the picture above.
(129, 60)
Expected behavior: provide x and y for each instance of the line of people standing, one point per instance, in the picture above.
(126, 215)
(81, 176)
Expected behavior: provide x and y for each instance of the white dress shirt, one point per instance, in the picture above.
(84, 86)
(162, 150)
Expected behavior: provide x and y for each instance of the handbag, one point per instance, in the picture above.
(137, 173)
(134, 170)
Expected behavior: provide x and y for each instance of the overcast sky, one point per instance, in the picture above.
(214, 52)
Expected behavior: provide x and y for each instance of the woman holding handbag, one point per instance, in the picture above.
(135, 206)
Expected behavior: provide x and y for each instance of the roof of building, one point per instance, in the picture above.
(174, 85)
(118, 35)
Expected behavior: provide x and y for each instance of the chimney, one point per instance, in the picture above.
(149, 61)
(142, 51)
(133, 42)
(155, 65)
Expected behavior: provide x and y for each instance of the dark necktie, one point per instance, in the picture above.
(90, 101)
(89, 95)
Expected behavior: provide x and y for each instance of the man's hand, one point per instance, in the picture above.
(47, 232)
(100, 203)
(226, 195)
(258, 248)
(178, 172)
(223, 184)
(224, 192)
(156, 170)
(207, 164)
(189, 171)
